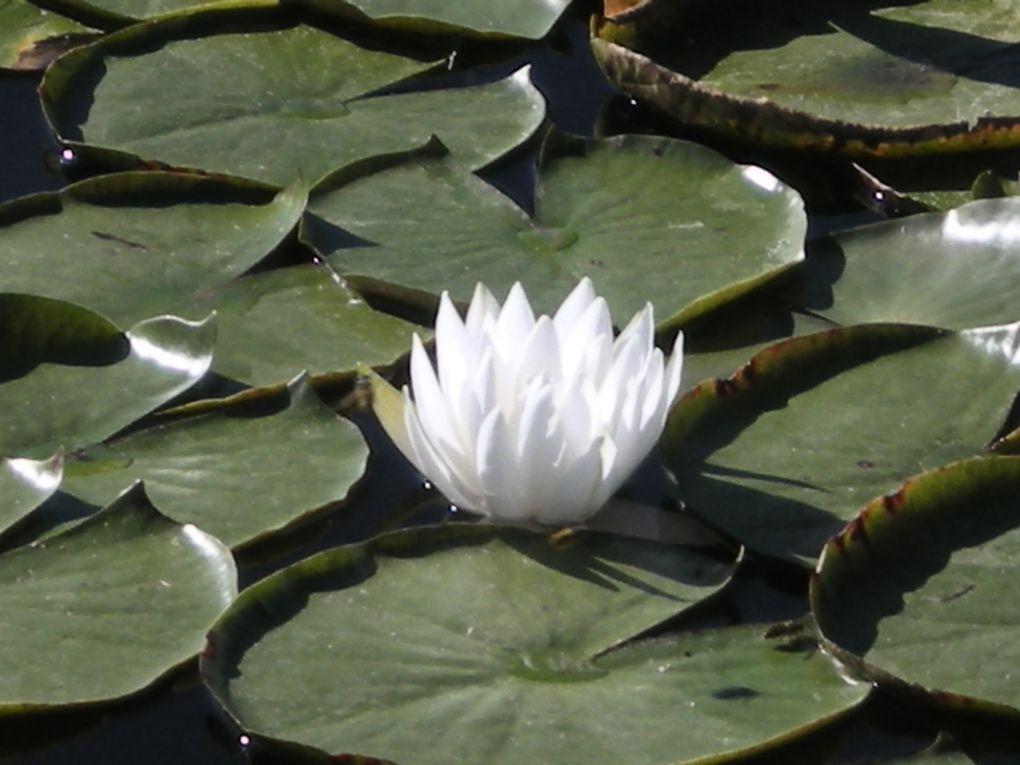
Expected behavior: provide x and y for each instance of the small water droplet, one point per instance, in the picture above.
(68, 156)
(453, 509)
(244, 740)
(427, 485)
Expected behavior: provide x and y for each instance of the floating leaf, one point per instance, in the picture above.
(25, 484)
(617, 210)
(782, 454)
(483, 644)
(232, 470)
(945, 616)
(938, 77)
(31, 37)
(303, 111)
(87, 398)
(105, 609)
(530, 19)
(274, 324)
(955, 270)
(134, 245)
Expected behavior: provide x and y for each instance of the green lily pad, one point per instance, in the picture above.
(26, 484)
(31, 37)
(937, 77)
(484, 644)
(134, 245)
(232, 470)
(36, 330)
(103, 610)
(530, 19)
(955, 270)
(618, 210)
(274, 324)
(90, 397)
(305, 110)
(783, 453)
(945, 616)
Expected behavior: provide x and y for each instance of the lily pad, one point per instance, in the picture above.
(87, 399)
(134, 245)
(31, 37)
(956, 270)
(105, 609)
(530, 19)
(274, 324)
(26, 484)
(232, 470)
(618, 210)
(944, 617)
(783, 453)
(935, 78)
(484, 644)
(305, 110)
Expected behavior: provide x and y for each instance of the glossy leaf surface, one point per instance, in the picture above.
(303, 111)
(225, 470)
(135, 245)
(121, 379)
(25, 484)
(784, 453)
(618, 210)
(105, 609)
(461, 643)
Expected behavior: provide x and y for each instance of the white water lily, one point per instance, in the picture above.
(527, 419)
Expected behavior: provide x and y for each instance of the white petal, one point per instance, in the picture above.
(587, 347)
(428, 396)
(674, 369)
(573, 306)
(454, 349)
(497, 469)
(652, 393)
(628, 361)
(540, 448)
(540, 354)
(613, 476)
(576, 493)
(483, 309)
(577, 417)
(640, 330)
(427, 459)
(515, 321)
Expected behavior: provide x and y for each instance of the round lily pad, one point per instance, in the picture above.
(945, 616)
(274, 324)
(485, 644)
(103, 610)
(249, 466)
(184, 91)
(937, 77)
(100, 388)
(135, 245)
(618, 210)
(783, 453)
(956, 269)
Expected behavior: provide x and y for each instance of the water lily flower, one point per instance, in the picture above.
(526, 419)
